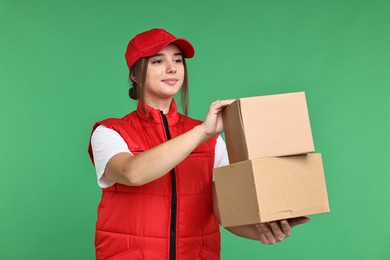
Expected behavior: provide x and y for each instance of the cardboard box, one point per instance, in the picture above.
(266, 126)
(267, 189)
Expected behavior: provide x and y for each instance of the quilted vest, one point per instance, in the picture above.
(168, 218)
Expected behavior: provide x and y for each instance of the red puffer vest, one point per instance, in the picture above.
(169, 218)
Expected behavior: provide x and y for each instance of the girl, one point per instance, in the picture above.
(155, 165)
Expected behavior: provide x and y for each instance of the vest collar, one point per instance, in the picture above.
(153, 115)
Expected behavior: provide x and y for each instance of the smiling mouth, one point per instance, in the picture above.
(170, 81)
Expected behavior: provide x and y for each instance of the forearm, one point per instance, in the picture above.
(247, 231)
(154, 163)
(270, 232)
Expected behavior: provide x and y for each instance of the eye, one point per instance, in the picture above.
(179, 60)
(159, 61)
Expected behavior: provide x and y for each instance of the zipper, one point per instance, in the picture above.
(172, 240)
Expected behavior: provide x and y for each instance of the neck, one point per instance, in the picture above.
(162, 105)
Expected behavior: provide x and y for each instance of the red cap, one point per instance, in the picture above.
(151, 42)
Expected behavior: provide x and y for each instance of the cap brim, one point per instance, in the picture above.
(184, 45)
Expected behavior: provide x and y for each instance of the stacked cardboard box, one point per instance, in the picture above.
(273, 173)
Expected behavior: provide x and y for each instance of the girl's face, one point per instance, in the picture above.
(165, 74)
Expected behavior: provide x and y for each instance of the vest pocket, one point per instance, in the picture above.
(116, 246)
(133, 253)
(208, 254)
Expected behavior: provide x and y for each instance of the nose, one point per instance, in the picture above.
(171, 68)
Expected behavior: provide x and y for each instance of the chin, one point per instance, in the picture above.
(171, 93)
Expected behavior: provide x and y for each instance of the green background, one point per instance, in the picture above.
(62, 68)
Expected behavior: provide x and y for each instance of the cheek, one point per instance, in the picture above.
(151, 81)
(153, 73)
(181, 70)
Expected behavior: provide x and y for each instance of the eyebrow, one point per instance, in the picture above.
(161, 54)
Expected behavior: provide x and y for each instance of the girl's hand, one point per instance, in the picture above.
(273, 232)
(213, 122)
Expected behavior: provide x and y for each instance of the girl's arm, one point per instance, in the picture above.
(150, 165)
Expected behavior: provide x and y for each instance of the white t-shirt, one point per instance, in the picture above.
(106, 143)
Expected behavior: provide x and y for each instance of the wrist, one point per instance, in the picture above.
(203, 134)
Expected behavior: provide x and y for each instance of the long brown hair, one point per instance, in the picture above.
(137, 90)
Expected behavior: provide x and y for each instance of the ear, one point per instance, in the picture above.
(132, 77)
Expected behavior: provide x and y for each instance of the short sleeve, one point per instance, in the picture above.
(106, 143)
(221, 156)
